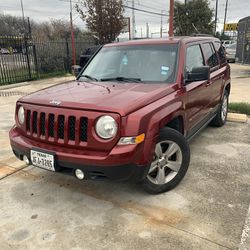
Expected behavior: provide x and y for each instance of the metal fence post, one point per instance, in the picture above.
(68, 58)
(35, 59)
(27, 56)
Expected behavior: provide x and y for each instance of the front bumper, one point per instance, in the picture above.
(121, 163)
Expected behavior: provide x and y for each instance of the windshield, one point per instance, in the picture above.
(146, 63)
(232, 46)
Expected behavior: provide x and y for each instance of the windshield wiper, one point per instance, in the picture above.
(121, 79)
(89, 77)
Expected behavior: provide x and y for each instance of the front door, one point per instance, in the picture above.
(197, 105)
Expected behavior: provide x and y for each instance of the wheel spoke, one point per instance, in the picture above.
(172, 149)
(174, 165)
(153, 166)
(160, 178)
(158, 150)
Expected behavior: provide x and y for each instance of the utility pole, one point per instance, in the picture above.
(133, 20)
(225, 17)
(147, 30)
(72, 36)
(24, 24)
(161, 22)
(215, 18)
(171, 18)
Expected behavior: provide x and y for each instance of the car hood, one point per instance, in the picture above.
(122, 98)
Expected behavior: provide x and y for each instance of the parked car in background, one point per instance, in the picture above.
(88, 53)
(226, 43)
(4, 51)
(129, 114)
(231, 52)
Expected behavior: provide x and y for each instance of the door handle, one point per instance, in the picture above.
(208, 83)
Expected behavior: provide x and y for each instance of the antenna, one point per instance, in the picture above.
(133, 20)
(195, 28)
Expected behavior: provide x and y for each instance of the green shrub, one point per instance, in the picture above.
(240, 107)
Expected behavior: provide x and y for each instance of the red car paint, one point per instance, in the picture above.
(137, 108)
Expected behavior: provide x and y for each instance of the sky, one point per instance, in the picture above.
(44, 10)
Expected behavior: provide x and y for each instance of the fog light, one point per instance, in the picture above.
(79, 174)
(26, 160)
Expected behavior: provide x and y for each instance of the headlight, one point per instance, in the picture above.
(106, 127)
(20, 115)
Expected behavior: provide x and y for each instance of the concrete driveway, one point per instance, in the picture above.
(208, 210)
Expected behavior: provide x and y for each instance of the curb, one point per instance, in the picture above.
(55, 80)
(234, 117)
(14, 85)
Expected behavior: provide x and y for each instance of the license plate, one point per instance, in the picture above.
(42, 160)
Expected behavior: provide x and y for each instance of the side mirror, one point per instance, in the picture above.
(76, 69)
(198, 74)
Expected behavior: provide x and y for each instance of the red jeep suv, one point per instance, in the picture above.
(129, 114)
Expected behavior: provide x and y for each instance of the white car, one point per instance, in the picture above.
(4, 51)
(231, 52)
(227, 43)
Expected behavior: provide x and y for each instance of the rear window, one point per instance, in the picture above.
(210, 55)
(221, 52)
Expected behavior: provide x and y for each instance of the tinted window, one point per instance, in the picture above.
(194, 57)
(221, 52)
(150, 63)
(210, 55)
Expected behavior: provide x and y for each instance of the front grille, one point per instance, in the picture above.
(71, 130)
(51, 125)
(83, 128)
(42, 123)
(60, 126)
(34, 122)
(48, 125)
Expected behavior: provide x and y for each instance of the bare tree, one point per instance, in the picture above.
(103, 17)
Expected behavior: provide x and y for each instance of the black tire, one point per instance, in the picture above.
(168, 135)
(220, 119)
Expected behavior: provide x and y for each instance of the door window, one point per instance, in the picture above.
(221, 52)
(194, 58)
(210, 55)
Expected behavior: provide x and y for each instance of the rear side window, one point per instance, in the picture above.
(194, 57)
(221, 52)
(210, 55)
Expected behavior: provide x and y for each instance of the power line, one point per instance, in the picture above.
(147, 6)
(145, 11)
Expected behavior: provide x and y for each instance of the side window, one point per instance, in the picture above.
(194, 57)
(221, 52)
(210, 55)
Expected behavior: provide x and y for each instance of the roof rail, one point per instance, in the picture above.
(199, 34)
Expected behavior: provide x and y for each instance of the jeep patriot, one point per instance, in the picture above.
(129, 114)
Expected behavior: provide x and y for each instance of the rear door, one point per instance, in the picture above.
(197, 97)
(216, 78)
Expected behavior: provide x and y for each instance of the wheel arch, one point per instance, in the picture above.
(228, 88)
(176, 123)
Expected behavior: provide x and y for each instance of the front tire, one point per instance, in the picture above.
(170, 162)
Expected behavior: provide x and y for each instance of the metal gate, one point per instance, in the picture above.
(243, 41)
(17, 60)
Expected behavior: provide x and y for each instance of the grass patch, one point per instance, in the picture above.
(22, 75)
(240, 107)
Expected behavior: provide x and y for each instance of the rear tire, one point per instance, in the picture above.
(221, 117)
(170, 162)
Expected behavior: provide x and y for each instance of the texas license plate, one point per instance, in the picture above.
(42, 160)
